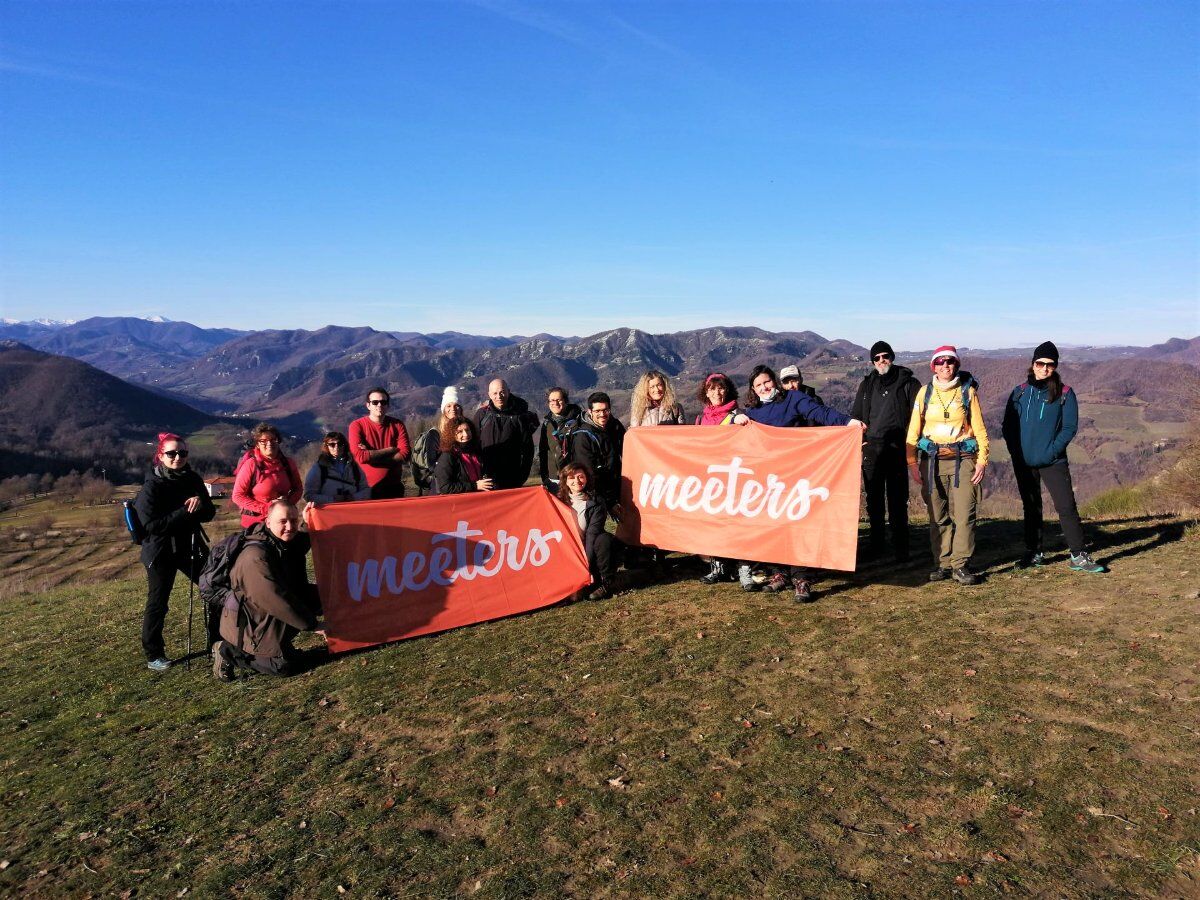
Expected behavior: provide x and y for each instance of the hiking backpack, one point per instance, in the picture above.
(422, 460)
(216, 583)
(968, 446)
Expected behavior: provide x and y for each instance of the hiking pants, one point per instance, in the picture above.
(602, 558)
(888, 480)
(160, 578)
(1057, 479)
(952, 512)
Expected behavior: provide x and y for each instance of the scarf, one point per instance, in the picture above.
(771, 397)
(713, 415)
(171, 474)
(945, 385)
(471, 464)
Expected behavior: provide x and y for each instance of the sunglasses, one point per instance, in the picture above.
(880, 357)
(1046, 364)
(333, 443)
(378, 402)
(171, 454)
(267, 442)
(945, 361)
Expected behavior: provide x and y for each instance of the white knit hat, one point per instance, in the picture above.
(449, 395)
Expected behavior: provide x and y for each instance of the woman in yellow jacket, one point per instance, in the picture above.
(947, 455)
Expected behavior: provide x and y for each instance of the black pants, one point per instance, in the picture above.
(1057, 479)
(602, 557)
(887, 480)
(160, 579)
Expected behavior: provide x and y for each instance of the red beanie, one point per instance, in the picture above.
(945, 350)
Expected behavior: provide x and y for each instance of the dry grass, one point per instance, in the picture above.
(897, 738)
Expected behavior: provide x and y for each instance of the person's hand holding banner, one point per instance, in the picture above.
(392, 569)
(781, 495)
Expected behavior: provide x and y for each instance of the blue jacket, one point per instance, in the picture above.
(1037, 432)
(793, 408)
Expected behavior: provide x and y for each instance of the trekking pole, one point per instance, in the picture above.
(191, 591)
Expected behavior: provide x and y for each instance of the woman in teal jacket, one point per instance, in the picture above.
(1040, 419)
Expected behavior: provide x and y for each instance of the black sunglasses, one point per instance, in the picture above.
(171, 454)
(880, 357)
(378, 402)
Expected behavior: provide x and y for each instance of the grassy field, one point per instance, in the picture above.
(1034, 735)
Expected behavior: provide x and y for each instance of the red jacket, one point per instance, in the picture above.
(260, 480)
(389, 433)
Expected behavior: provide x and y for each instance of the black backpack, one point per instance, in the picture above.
(216, 584)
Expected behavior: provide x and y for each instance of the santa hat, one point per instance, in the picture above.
(946, 350)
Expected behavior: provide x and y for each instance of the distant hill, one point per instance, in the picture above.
(131, 348)
(66, 413)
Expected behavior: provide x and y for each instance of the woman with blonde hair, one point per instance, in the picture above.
(653, 402)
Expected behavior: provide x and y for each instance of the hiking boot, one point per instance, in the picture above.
(746, 577)
(601, 592)
(159, 665)
(939, 574)
(222, 668)
(803, 591)
(963, 575)
(1031, 559)
(777, 582)
(715, 574)
(1084, 563)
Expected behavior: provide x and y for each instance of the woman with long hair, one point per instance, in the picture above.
(653, 402)
(575, 490)
(459, 469)
(428, 447)
(335, 476)
(1040, 419)
(265, 474)
(172, 505)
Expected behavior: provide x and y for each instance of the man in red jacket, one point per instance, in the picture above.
(379, 443)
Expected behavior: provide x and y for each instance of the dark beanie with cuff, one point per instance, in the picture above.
(882, 347)
(1046, 350)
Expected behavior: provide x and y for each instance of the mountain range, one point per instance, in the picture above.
(103, 381)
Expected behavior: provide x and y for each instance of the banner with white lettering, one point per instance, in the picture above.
(393, 569)
(753, 492)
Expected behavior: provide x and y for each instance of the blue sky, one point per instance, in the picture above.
(986, 174)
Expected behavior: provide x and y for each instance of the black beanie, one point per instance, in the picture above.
(882, 347)
(1046, 350)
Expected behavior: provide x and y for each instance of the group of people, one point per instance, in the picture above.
(933, 435)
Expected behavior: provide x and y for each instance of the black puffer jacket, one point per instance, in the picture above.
(169, 527)
(506, 441)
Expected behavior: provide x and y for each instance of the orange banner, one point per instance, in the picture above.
(753, 492)
(393, 569)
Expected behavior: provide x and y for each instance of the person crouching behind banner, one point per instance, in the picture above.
(718, 397)
(947, 449)
(768, 404)
(335, 477)
(575, 490)
(172, 505)
(270, 580)
(459, 469)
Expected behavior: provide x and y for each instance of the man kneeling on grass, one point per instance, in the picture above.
(276, 601)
